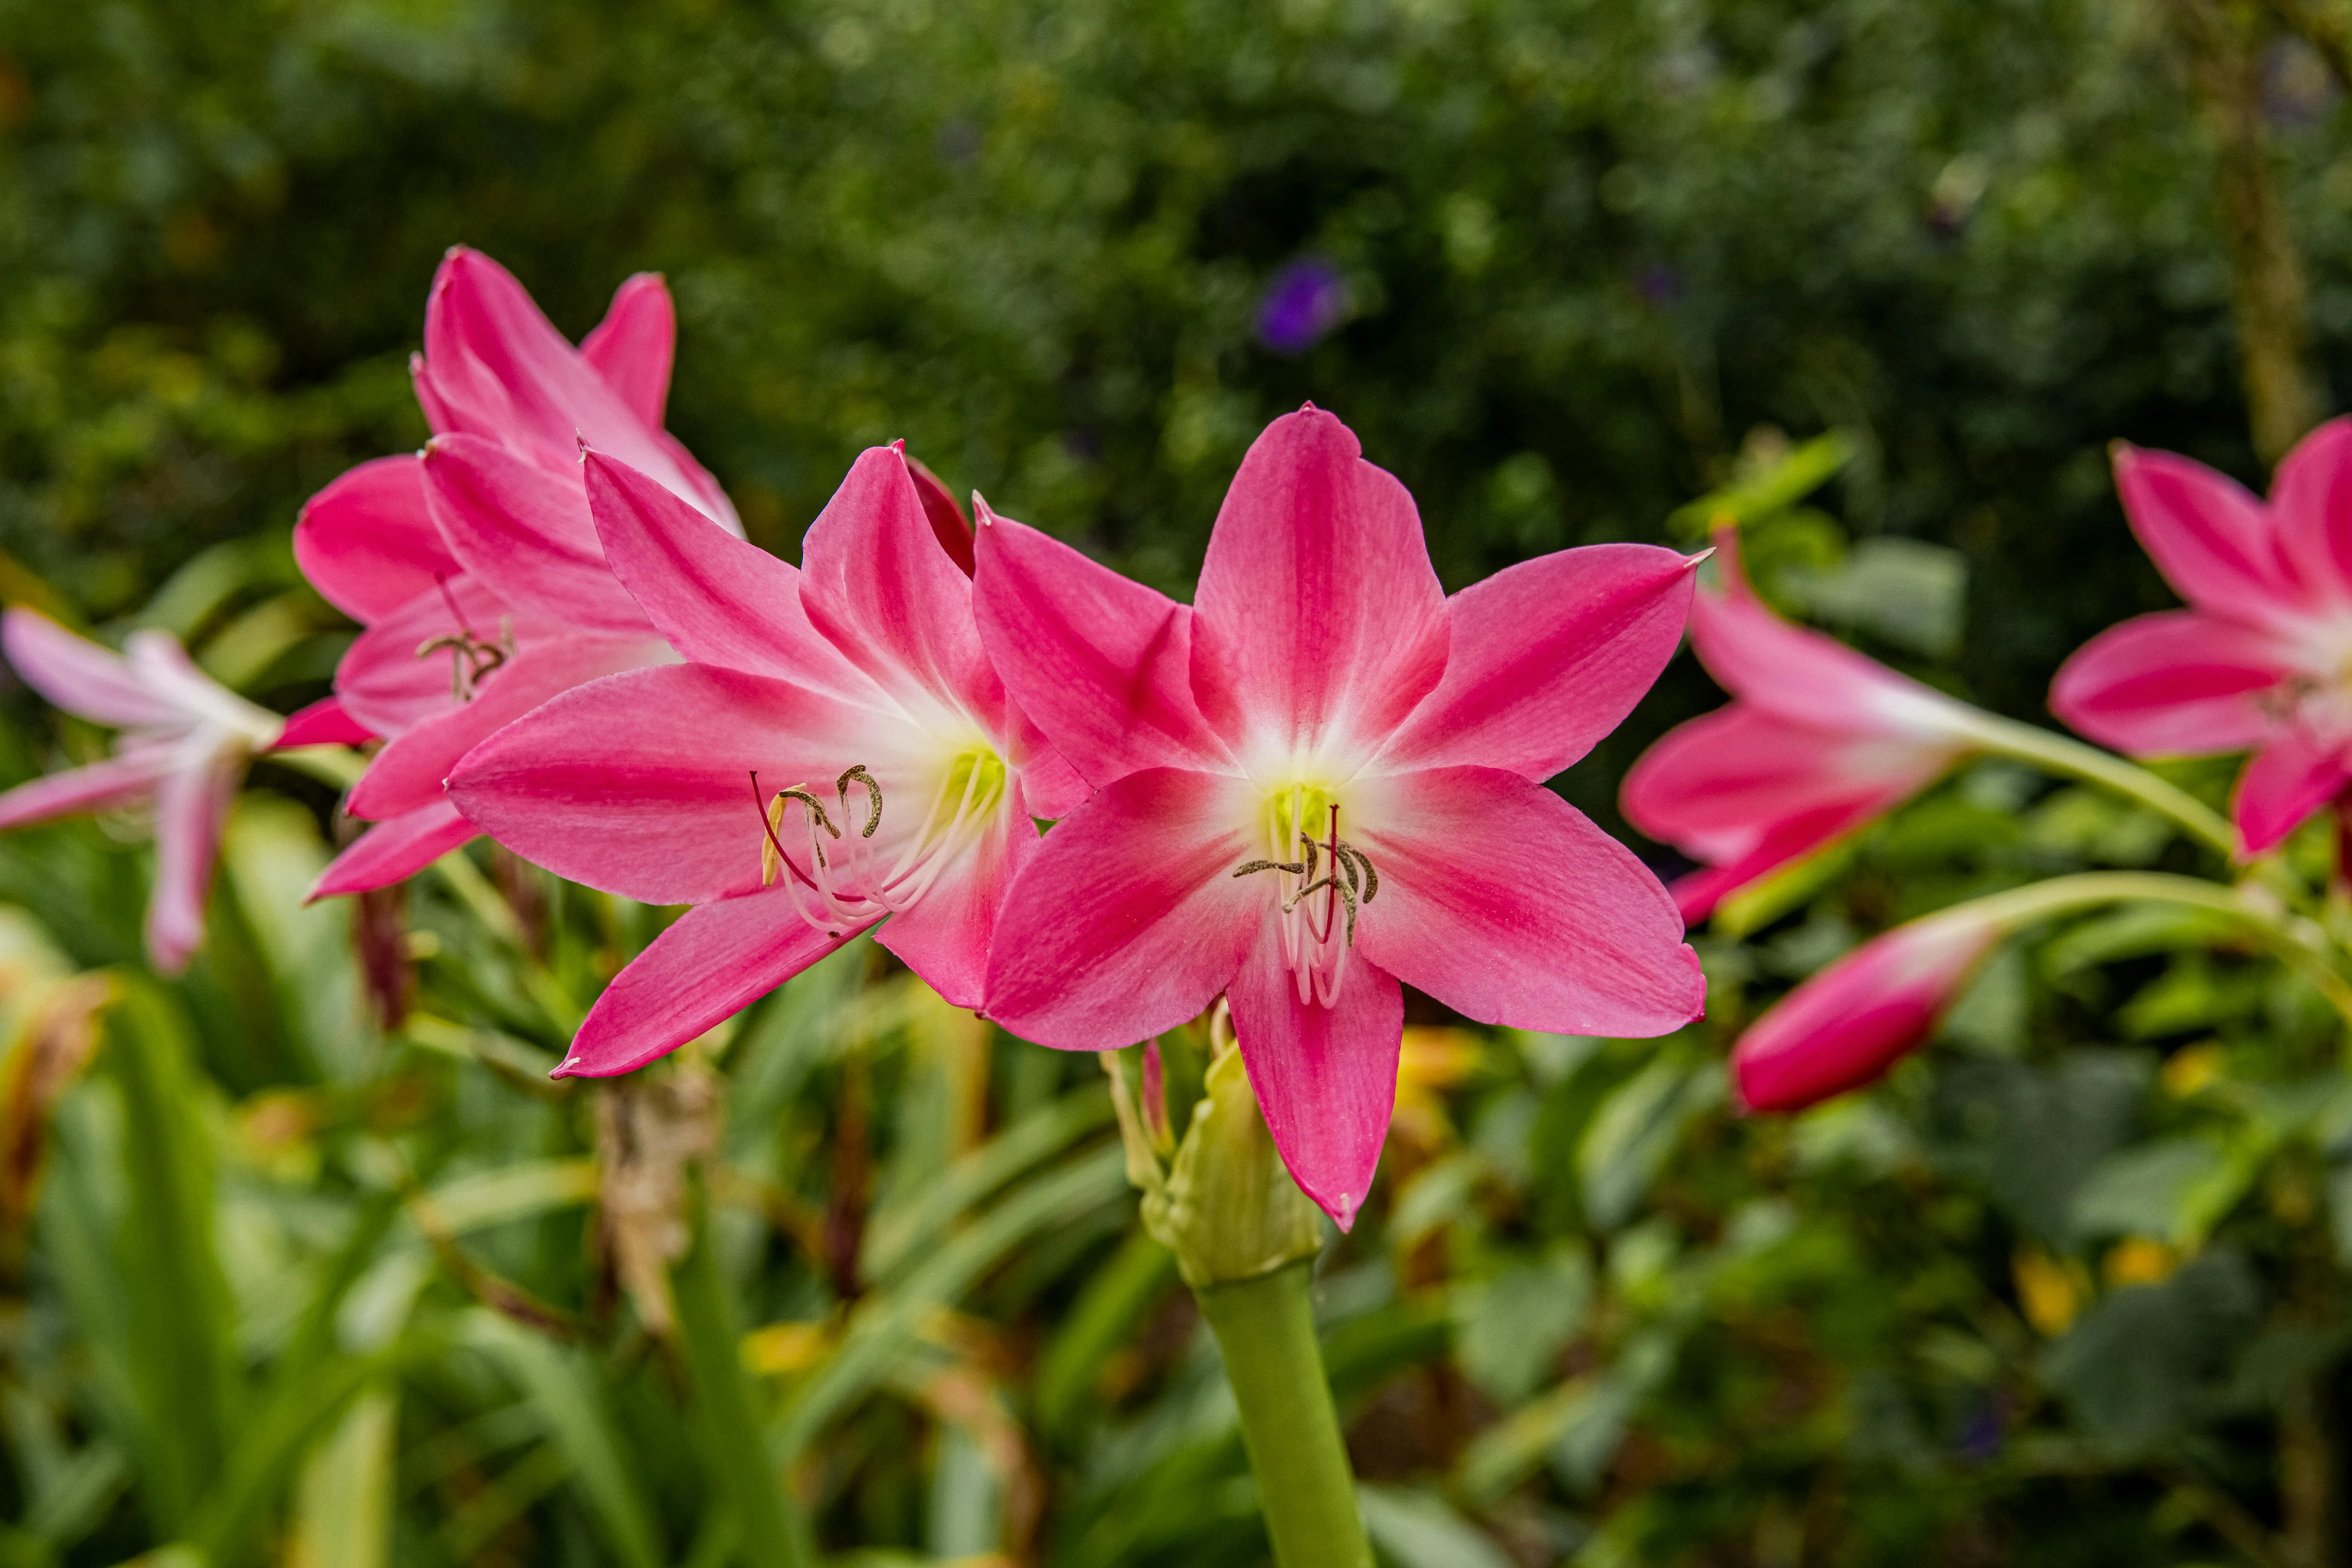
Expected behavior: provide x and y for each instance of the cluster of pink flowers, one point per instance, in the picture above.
(1319, 783)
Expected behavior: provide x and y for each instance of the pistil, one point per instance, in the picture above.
(1316, 957)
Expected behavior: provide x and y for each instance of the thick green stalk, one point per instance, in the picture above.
(1265, 1327)
(2059, 755)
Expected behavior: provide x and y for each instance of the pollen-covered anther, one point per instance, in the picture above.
(1316, 958)
(855, 885)
(471, 657)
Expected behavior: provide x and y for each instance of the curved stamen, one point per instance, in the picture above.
(471, 657)
(1315, 950)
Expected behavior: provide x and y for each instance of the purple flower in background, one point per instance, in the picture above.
(1302, 304)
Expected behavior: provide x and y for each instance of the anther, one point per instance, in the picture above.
(472, 657)
(873, 791)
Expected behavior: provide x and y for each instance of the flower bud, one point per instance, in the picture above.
(1846, 1025)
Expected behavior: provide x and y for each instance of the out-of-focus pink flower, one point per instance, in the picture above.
(1817, 741)
(2262, 659)
(184, 742)
(475, 565)
(1325, 778)
(837, 753)
(1846, 1025)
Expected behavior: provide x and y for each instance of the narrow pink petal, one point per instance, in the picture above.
(2311, 503)
(1713, 785)
(325, 723)
(1804, 675)
(1847, 1025)
(715, 961)
(367, 542)
(949, 523)
(876, 582)
(1101, 664)
(1506, 903)
(1548, 657)
(945, 938)
(394, 850)
(191, 808)
(386, 685)
(2175, 683)
(1130, 921)
(641, 785)
(631, 347)
(1052, 786)
(1781, 842)
(79, 675)
(525, 532)
(501, 371)
(2214, 541)
(1320, 621)
(2290, 777)
(1326, 1077)
(109, 785)
(408, 772)
(716, 598)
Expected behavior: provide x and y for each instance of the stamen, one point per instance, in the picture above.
(1332, 866)
(471, 657)
(872, 789)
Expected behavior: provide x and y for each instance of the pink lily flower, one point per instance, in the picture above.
(2259, 660)
(184, 742)
(1817, 741)
(474, 614)
(837, 754)
(1847, 1025)
(1323, 780)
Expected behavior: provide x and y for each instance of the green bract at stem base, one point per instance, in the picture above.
(1246, 1239)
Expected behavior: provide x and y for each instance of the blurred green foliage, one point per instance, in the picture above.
(288, 1277)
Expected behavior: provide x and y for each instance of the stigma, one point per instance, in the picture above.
(1321, 881)
(831, 860)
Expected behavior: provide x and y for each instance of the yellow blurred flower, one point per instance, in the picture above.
(1432, 1061)
(2050, 1292)
(2136, 1261)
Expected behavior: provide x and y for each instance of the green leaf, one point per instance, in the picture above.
(1113, 1302)
(1515, 1324)
(342, 1506)
(1782, 485)
(2146, 1360)
(1637, 1129)
(2171, 1191)
(1414, 1529)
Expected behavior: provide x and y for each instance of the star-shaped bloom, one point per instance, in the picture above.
(182, 752)
(1323, 780)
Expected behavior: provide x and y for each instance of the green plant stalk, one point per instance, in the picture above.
(772, 1532)
(2059, 755)
(2062, 895)
(1265, 1327)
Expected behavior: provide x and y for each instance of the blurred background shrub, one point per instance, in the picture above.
(304, 1260)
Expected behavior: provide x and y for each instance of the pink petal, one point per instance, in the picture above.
(525, 532)
(1320, 621)
(500, 370)
(323, 724)
(1548, 657)
(876, 582)
(394, 850)
(949, 523)
(109, 785)
(1506, 903)
(191, 808)
(1711, 787)
(2178, 682)
(945, 938)
(1130, 921)
(1790, 839)
(367, 542)
(386, 685)
(2311, 503)
(1804, 675)
(631, 347)
(1052, 786)
(1101, 664)
(2214, 541)
(79, 675)
(1324, 1076)
(408, 772)
(2290, 777)
(716, 598)
(641, 786)
(715, 961)
(1847, 1025)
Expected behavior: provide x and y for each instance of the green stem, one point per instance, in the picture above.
(2059, 755)
(1265, 1327)
(2060, 895)
(772, 1532)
